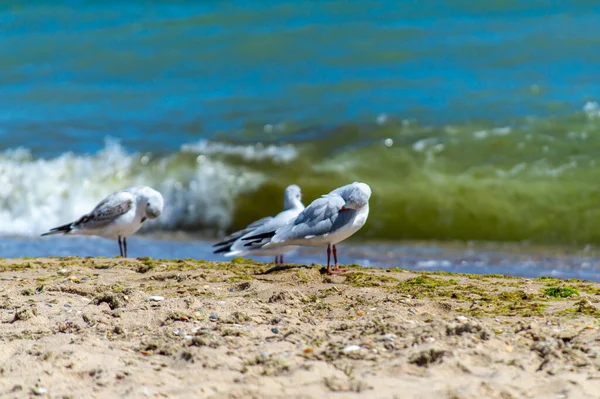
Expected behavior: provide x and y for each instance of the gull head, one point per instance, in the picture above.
(356, 195)
(292, 197)
(154, 206)
(152, 200)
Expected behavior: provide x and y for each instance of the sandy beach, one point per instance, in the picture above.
(105, 328)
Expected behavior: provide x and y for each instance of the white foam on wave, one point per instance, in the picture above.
(38, 194)
(250, 152)
(592, 109)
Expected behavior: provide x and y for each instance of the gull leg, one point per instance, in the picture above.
(281, 259)
(329, 259)
(337, 268)
(120, 246)
(125, 247)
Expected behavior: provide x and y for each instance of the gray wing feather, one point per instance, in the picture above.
(234, 236)
(319, 218)
(105, 212)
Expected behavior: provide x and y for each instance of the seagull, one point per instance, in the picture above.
(325, 222)
(233, 245)
(117, 216)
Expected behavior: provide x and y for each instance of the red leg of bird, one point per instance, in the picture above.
(328, 259)
(336, 269)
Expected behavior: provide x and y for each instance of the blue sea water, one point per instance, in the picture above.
(160, 74)
(471, 121)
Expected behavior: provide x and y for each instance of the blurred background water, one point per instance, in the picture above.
(470, 121)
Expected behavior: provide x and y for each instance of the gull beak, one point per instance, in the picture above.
(342, 208)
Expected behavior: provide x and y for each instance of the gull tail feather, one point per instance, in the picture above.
(64, 229)
(222, 249)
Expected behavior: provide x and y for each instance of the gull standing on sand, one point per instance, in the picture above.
(117, 216)
(233, 245)
(325, 222)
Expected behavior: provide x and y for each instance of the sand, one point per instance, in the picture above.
(106, 328)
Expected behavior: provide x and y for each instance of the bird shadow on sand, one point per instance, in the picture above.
(280, 268)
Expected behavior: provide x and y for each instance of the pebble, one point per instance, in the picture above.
(389, 337)
(430, 339)
(308, 350)
(264, 355)
(39, 390)
(221, 303)
(462, 319)
(351, 348)
(411, 312)
(213, 317)
(274, 330)
(156, 298)
(360, 313)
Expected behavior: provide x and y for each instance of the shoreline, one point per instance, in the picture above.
(111, 327)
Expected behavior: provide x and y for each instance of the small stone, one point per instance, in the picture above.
(411, 312)
(73, 278)
(156, 298)
(37, 390)
(221, 303)
(389, 337)
(461, 319)
(430, 340)
(274, 330)
(509, 348)
(360, 313)
(288, 311)
(308, 350)
(351, 348)
(213, 317)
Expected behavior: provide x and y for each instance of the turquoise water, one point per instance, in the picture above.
(471, 121)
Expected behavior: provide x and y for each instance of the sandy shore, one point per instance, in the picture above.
(106, 328)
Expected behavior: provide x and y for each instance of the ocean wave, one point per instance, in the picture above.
(200, 191)
(533, 180)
